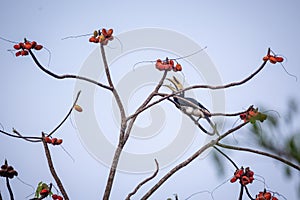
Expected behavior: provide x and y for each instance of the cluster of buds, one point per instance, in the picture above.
(168, 65)
(252, 115)
(23, 47)
(102, 37)
(265, 196)
(249, 114)
(8, 171)
(53, 141)
(244, 175)
(56, 197)
(273, 58)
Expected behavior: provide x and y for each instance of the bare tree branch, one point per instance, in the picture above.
(52, 169)
(233, 84)
(66, 76)
(189, 160)
(144, 104)
(260, 153)
(121, 143)
(144, 181)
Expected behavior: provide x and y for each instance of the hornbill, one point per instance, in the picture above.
(189, 106)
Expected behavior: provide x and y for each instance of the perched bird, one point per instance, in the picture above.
(188, 105)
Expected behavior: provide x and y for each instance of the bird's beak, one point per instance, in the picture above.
(176, 83)
(171, 88)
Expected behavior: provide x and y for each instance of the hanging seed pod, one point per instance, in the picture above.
(78, 108)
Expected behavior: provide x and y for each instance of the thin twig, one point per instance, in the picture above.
(67, 116)
(52, 170)
(123, 127)
(260, 153)
(227, 157)
(11, 194)
(248, 193)
(241, 192)
(38, 139)
(144, 181)
(205, 87)
(144, 104)
(66, 76)
(189, 160)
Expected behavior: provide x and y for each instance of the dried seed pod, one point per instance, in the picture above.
(38, 47)
(33, 44)
(18, 53)
(27, 45)
(53, 141)
(273, 59)
(17, 46)
(279, 59)
(266, 58)
(24, 53)
(4, 167)
(110, 32)
(58, 141)
(78, 108)
(48, 140)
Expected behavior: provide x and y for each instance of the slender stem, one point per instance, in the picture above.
(28, 138)
(260, 153)
(227, 157)
(52, 170)
(207, 87)
(9, 189)
(123, 127)
(241, 192)
(66, 117)
(66, 76)
(248, 193)
(144, 181)
(144, 104)
(233, 84)
(189, 160)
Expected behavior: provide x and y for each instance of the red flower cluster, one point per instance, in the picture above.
(249, 114)
(167, 65)
(273, 58)
(102, 37)
(244, 175)
(8, 171)
(56, 197)
(53, 141)
(25, 46)
(265, 196)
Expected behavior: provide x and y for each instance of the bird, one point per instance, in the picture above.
(188, 105)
